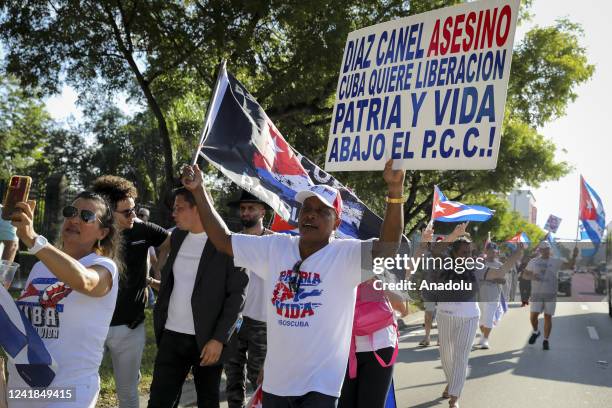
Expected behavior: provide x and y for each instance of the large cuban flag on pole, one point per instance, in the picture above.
(444, 210)
(592, 212)
(23, 346)
(241, 141)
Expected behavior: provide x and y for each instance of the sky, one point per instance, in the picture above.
(582, 132)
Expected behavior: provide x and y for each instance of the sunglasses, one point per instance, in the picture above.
(87, 216)
(294, 280)
(127, 212)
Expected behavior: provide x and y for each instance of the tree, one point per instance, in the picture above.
(287, 53)
(24, 127)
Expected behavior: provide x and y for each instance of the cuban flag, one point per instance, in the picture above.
(588, 248)
(241, 141)
(444, 210)
(23, 346)
(520, 238)
(256, 400)
(592, 214)
(282, 226)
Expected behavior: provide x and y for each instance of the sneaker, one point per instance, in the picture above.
(545, 345)
(533, 337)
(484, 343)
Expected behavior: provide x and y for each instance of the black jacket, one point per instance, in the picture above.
(218, 294)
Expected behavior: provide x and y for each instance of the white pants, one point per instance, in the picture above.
(456, 336)
(489, 294)
(126, 346)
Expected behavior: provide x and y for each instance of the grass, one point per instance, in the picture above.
(108, 398)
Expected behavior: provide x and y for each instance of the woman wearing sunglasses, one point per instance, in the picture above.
(70, 295)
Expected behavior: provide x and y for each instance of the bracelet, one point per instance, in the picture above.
(401, 200)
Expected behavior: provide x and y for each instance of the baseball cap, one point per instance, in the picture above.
(544, 244)
(328, 196)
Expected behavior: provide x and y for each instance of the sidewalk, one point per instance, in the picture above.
(189, 398)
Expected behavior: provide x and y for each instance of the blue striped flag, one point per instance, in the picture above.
(444, 210)
(23, 346)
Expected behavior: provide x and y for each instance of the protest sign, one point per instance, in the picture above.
(552, 224)
(428, 90)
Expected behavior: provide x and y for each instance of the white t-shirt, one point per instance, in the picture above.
(73, 326)
(545, 279)
(480, 272)
(185, 269)
(383, 338)
(308, 337)
(255, 303)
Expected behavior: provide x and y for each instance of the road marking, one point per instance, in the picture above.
(584, 307)
(593, 333)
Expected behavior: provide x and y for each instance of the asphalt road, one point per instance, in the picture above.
(576, 372)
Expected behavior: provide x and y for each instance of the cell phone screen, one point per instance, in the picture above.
(18, 191)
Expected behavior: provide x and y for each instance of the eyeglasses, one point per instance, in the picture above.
(127, 212)
(294, 280)
(87, 216)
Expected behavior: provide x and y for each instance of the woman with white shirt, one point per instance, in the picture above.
(458, 316)
(70, 297)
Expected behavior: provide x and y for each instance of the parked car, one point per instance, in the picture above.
(565, 282)
(609, 274)
(600, 278)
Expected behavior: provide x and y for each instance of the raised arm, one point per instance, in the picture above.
(499, 273)
(421, 249)
(512, 260)
(457, 232)
(572, 262)
(95, 281)
(214, 225)
(393, 223)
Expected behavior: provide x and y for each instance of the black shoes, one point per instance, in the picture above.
(545, 345)
(533, 337)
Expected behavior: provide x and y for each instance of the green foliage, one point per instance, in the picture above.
(546, 69)
(24, 128)
(164, 55)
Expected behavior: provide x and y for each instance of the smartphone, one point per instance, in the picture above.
(18, 191)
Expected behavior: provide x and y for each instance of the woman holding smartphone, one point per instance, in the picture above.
(70, 296)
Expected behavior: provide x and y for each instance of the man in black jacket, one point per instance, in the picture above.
(199, 301)
(126, 337)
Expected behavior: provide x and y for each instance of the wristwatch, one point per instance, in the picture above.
(39, 243)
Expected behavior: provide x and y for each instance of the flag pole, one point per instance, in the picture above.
(433, 203)
(578, 218)
(220, 71)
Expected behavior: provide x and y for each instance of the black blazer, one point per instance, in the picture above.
(218, 294)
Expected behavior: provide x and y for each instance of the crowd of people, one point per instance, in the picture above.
(297, 314)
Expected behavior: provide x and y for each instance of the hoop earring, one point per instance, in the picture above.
(99, 244)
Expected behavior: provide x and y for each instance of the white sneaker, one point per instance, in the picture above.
(484, 343)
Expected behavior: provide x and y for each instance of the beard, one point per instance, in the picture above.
(248, 223)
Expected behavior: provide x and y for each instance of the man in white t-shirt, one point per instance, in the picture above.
(310, 281)
(543, 272)
(248, 347)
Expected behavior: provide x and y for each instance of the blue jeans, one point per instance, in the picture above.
(311, 400)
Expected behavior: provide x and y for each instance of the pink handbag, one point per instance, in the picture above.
(373, 312)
